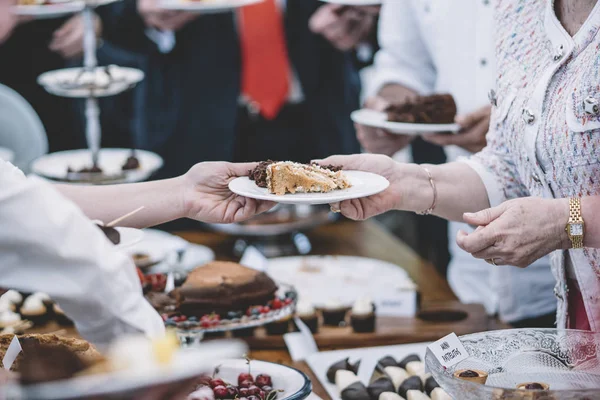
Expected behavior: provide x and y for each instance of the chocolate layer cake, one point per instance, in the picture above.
(435, 109)
(221, 287)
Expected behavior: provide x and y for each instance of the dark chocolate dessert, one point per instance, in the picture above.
(533, 386)
(412, 383)
(410, 358)
(111, 233)
(341, 365)
(355, 391)
(472, 375)
(379, 386)
(220, 287)
(430, 385)
(387, 361)
(162, 302)
(132, 162)
(434, 109)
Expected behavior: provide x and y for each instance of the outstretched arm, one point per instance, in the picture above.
(201, 194)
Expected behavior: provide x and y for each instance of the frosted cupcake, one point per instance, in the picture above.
(306, 312)
(362, 317)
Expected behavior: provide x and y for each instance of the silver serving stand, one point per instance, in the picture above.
(91, 91)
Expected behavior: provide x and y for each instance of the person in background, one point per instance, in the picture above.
(254, 84)
(532, 191)
(424, 51)
(35, 47)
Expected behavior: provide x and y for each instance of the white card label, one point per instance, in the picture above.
(252, 258)
(11, 353)
(300, 344)
(400, 304)
(449, 350)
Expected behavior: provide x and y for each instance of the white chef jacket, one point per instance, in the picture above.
(441, 46)
(48, 245)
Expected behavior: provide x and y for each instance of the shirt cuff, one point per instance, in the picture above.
(493, 188)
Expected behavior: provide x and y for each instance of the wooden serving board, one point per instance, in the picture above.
(390, 330)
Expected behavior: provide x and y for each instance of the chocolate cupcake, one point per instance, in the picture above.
(279, 327)
(334, 313)
(35, 310)
(362, 317)
(60, 316)
(306, 312)
(410, 358)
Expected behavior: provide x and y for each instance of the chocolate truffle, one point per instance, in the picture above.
(387, 361)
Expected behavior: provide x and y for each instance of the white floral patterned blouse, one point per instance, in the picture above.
(544, 137)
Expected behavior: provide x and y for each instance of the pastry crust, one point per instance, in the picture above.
(290, 177)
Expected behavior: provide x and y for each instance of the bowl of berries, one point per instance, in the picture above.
(242, 379)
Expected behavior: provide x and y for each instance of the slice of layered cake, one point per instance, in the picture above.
(435, 109)
(290, 177)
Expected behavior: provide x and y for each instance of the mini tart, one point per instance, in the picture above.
(481, 377)
(523, 386)
(35, 310)
(9, 318)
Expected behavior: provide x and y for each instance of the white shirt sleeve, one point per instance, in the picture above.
(48, 245)
(403, 57)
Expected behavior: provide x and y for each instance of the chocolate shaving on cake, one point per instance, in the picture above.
(259, 174)
(332, 168)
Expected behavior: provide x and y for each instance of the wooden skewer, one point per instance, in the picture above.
(116, 221)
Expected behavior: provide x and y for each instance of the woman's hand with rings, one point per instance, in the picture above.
(517, 232)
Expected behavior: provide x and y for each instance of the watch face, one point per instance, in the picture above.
(576, 229)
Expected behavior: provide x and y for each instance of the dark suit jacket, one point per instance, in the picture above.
(191, 94)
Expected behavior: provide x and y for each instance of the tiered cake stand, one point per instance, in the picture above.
(89, 82)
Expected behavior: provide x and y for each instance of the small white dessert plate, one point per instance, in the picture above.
(206, 6)
(157, 245)
(377, 119)
(356, 3)
(294, 384)
(61, 82)
(129, 237)
(364, 184)
(54, 165)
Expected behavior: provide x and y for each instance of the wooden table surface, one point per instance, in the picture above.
(365, 239)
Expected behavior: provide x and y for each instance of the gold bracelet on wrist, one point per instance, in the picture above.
(429, 211)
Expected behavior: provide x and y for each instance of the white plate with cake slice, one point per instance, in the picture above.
(350, 185)
(206, 6)
(378, 119)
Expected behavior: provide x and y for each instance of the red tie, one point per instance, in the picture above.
(265, 64)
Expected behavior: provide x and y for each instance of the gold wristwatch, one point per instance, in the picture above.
(575, 227)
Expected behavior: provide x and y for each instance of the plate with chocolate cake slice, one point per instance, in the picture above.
(294, 183)
(424, 114)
